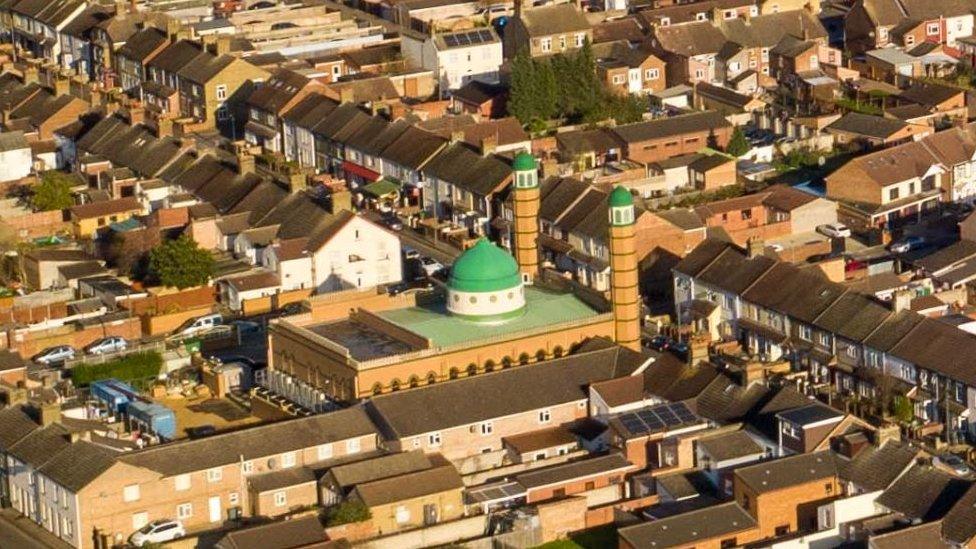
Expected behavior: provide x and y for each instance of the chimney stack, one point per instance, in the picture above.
(902, 301)
(245, 160)
(347, 94)
(489, 144)
(457, 136)
(754, 247)
(341, 200)
(164, 127)
(136, 113)
(31, 74)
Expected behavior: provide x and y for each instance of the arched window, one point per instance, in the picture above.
(472, 369)
(489, 365)
(506, 362)
(540, 355)
(395, 385)
(557, 352)
(431, 378)
(377, 388)
(524, 359)
(414, 381)
(454, 373)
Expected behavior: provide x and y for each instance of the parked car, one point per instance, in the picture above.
(954, 464)
(106, 345)
(292, 308)
(906, 244)
(246, 326)
(658, 342)
(834, 230)
(410, 253)
(392, 222)
(430, 266)
(54, 355)
(200, 324)
(201, 431)
(158, 531)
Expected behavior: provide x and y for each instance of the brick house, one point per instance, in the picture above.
(783, 495)
(198, 482)
(270, 101)
(660, 139)
(629, 70)
(546, 30)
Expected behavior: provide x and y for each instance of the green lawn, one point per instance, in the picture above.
(597, 538)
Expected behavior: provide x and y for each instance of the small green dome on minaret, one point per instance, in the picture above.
(620, 198)
(524, 162)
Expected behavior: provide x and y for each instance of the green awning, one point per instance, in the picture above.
(381, 188)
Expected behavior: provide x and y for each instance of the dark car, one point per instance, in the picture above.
(658, 342)
(201, 431)
(392, 222)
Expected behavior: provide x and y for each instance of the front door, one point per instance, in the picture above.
(214, 506)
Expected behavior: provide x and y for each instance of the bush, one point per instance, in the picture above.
(128, 368)
(347, 512)
(902, 409)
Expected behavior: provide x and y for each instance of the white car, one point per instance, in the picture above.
(200, 324)
(430, 266)
(105, 345)
(834, 230)
(54, 355)
(158, 531)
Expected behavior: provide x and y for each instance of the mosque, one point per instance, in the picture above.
(497, 310)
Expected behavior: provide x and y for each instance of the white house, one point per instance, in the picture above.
(15, 156)
(354, 253)
(456, 57)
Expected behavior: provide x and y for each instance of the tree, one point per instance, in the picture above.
(347, 512)
(180, 263)
(738, 144)
(902, 409)
(54, 191)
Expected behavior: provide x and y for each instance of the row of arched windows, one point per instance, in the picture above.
(471, 370)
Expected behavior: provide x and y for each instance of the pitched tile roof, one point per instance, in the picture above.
(789, 471)
(501, 393)
(78, 464)
(554, 19)
(875, 468)
(686, 529)
(672, 126)
(412, 485)
(923, 493)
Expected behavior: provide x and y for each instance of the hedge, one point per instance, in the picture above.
(127, 368)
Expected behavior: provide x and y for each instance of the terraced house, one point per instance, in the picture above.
(848, 341)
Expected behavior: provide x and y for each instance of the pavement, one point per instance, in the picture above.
(18, 531)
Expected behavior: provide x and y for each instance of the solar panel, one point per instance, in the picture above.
(633, 424)
(485, 35)
(451, 41)
(667, 416)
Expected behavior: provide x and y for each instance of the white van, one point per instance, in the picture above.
(200, 324)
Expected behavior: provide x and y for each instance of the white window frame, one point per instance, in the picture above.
(434, 439)
(280, 499)
(215, 474)
(486, 428)
(652, 74)
(181, 482)
(221, 92)
(353, 446)
(131, 493)
(247, 467)
(287, 460)
(545, 44)
(184, 511)
(545, 416)
(325, 451)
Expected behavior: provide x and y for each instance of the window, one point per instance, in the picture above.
(325, 451)
(184, 511)
(590, 485)
(280, 500)
(130, 492)
(559, 492)
(893, 194)
(652, 74)
(728, 14)
(434, 439)
(883, 33)
(545, 416)
(402, 514)
(909, 40)
(546, 44)
(539, 456)
(221, 92)
(247, 467)
(782, 530)
(699, 73)
(234, 498)
(932, 28)
(562, 42)
(665, 21)
(701, 16)
(618, 79)
(747, 214)
(288, 459)
(353, 446)
(805, 333)
(214, 475)
(729, 543)
(580, 38)
(182, 482)
(829, 488)
(487, 428)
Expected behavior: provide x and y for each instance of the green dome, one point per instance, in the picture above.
(524, 162)
(621, 197)
(484, 268)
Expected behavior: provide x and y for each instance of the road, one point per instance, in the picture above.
(440, 251)
(17, 531)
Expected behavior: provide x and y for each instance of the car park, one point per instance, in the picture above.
(834, 230)
(158, 531)
(54, 355)
(105, 345)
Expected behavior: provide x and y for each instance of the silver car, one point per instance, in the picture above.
(107, 345)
